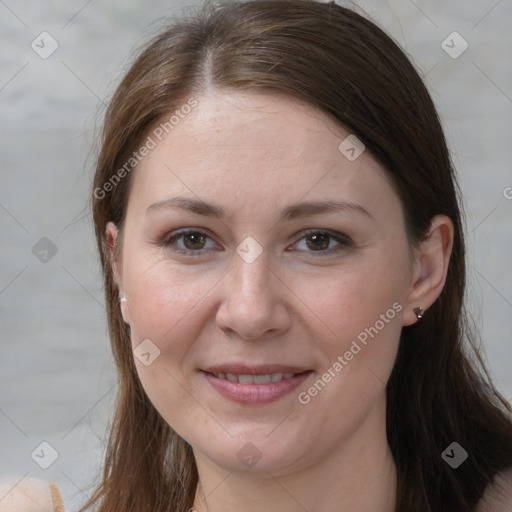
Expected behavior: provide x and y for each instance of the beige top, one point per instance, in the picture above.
(30, 495)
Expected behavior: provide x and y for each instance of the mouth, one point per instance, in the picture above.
(255, 379)
(255, 385)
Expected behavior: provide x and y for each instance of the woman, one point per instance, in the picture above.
(339, 241)
(277, 219)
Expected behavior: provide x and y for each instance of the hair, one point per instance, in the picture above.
(339, 62)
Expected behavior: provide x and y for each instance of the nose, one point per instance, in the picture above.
(255, 301)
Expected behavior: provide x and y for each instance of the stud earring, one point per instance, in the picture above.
(122, 299)
(419, 312)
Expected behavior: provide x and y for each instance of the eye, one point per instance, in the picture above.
(320, 241)
(193, 242)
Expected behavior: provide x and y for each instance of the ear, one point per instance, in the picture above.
(430, 267)
(113, 243)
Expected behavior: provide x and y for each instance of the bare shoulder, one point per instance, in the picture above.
(498, 495)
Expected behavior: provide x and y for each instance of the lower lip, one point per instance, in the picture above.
(255, 393)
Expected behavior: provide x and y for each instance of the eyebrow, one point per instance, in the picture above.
(291, 212)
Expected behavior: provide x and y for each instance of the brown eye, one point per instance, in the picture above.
(318, 241)
(188, 242)
(324, 243)
(194, 240)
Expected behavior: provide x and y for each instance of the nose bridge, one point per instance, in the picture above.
(251, 276)
(251, 303)
(250, 262)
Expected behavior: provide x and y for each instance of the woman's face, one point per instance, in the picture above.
(265, 284)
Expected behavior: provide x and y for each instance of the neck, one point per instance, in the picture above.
(358, 476)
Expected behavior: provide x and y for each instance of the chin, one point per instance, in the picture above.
(253, 453)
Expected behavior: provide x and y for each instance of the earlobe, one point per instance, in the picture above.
(124, 309)
(432, 261)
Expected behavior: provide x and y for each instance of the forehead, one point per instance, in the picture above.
(256, 148)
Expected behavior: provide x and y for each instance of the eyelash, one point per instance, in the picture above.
(343, 240)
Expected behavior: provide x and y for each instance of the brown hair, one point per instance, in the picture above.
(339, 62)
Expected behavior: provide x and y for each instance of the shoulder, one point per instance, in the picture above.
(30, 495)
(498, 494)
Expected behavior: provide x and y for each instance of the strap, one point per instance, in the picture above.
(58, 504)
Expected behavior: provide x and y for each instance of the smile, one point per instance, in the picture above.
(257, 388)
(255, 379)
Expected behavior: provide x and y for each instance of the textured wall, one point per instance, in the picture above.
(55, 365)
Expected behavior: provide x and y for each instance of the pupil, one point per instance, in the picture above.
(322, 239)
(196, 239)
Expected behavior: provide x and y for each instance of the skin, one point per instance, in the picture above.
(253, 155)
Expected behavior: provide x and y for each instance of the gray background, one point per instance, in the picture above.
(55, 367)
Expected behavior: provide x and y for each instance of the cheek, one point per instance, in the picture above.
(359, 308)
(167, 307)
(363, 324)
(359, 322)
(353, 297)
(170, 305)
(164, 301)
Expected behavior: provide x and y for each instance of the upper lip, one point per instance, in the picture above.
(264, 369)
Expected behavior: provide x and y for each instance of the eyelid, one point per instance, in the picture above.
(342, 239)
(176, 236)
(337, 235)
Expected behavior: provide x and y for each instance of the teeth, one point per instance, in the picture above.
(255, 379)
(262, 379)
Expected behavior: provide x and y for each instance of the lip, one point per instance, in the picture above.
(242, 369)
(254, 394)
